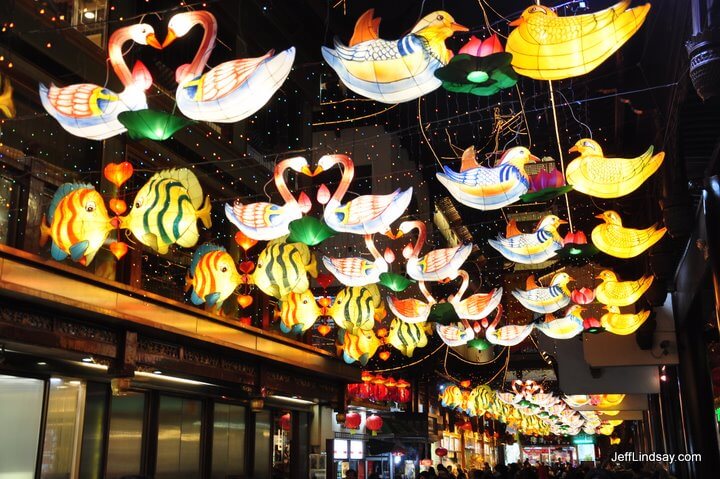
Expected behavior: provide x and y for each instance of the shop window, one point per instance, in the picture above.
(20, 416)
(60, 446)
(178, 448)
(282, 427)
(91, 457)
(9, 209)
(228, 444)
(262, 444)
(125, 438)
(87, 16)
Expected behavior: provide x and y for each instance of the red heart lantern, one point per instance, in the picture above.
(118, 206)
(441, 452)
(324, 280)
(243, 241)
(323, 329)
(246, 267)
(118, 173)
(384, 355)
(118, 249)
(244, 300)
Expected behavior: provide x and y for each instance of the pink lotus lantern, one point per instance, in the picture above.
(482, 48)
(583, 295)
(546, 179)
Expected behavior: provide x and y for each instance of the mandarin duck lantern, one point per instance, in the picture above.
(485, 188)
(612, 238)
(545, 300)
(77, 222)
(282, 268)
(91, 111)
(166, 210)
(212, 277)
(393, 71)
(545, 46)
(263, 221)
(596, 175)
(531, 248)
(565, 327)
(613, 292)
(231, 91)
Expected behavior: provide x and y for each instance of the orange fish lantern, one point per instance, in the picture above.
(359, 346)
(212, 276)
(78, 223)
(298, 312)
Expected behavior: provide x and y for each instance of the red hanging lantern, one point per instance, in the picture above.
(441, 452)
(374, 423)
(285, 422)
(390, 384)
(118, 173)
(380, 392)
(403, 391)
(352, 420)
(352, 389)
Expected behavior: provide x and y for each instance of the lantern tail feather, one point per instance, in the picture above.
(204, 213)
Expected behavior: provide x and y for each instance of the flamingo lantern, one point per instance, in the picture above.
(476, 306)
(232, 91)
(267, 221)
(412, 310)
(358, 271)
(509, 335)
(91, 111)
(367, 214)
(438, 264)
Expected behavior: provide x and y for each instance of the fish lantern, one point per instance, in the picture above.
(441, 452)
(359, 345)
(393, 71)
(403, 393)
(545, 46)
(583, 295)
(596, 175)
(231, 91)
(298, 312)
(148, 124)
(282, 268)
(7, 106)
(212, 276)
(373, 423)
(352, 420)
(91, 111)
(405, 337)
(612, 238)
(481, 68)
(245, 242)
(357, 307)
(166, 209)
(77, 222)
(118, 173)
(285, 422)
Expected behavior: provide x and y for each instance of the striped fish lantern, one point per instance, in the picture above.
(166, 209)
(359, 346)
(357, 307)
(212, 276)
(77, 222)
(405, 337)
(282, 268)
(298, 312)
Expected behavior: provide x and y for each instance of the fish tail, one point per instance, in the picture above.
(188, 282)
(44, 231)
(312, 268)
(203, 213)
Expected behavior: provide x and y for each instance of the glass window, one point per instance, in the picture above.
(262, 444)
(20, 416)
(124, 456)
(281, 443)
(88, 16)
(61, 428)
(228, 443)
(178, 449)
(91, 458)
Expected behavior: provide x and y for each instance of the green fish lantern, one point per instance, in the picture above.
(166, 209)
(282, 268)
(357, 307)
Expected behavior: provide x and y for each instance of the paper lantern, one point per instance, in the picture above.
(246, 266)
(91, 111)
(212, 276)
(583, 295)
(244, 241)
(323, 194)
(545, 46)
(366, 214)
(406, 337)
(151, 125)
(489, 188)
(575, 245)
(545, 186)
(118, 249)
(283, 268)
(118, 173)
(7, 106)
(613, 292)
(395, 282)
(532, 248)
(356, 271)
(309, 230)
(565, 327)
(436, 265)
(592, 326)
(298, 312)
(324, 280)
(265, 221)
(166, 209)
(510, 335)
(77, 223)
(118, 206)
(595, 175)
(232, 91)
(622, 323)
(475, 307)
(441, 452)
(393, 71)
(545, 300)
(357, 307)
(374, 423)
(352, 420)
(360, 345)
(389, 255)
(455, 334)
(614, 239)
(384, 355)
(285, 422)
(244, 300)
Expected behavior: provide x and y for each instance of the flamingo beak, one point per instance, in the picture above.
(574, 149)
(305, 170)
(152, 41)
(319, 169)
(394, 236)
(171, 36)
(517, 22)
(456, 27)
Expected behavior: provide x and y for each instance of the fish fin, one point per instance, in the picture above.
(195, 298)
(312, 268)
(78, 250)
(57, 253)
(44, 231)
(284, 328)
(212, 298)
(188, 281)
(150, 240)
(366, 28)
(204, 213)
(364, 358)
(347, 358)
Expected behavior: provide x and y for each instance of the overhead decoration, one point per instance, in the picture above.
(592, 326)
(489, 188)
(7, 105)
(367, 214)
(406, 337)
(395, 282)
(596, 175)
(393, 71)
(545, 46)
(545, 185)
(282, 268)
(298, 312)
(476, 306)
(212, 276)
(509, 335)
(358, 271)
(545, 300)
(622, 323)
(357, 307)
(436, 265)
(412, 310)
(233, 90)
(582, 296)
(575, 244)
(613, 292)
(166, 209)
(309, 230)
(118, 174)
(614, 239)
(148, 124)
(455, 334)
(532, 248)
(267, 221)
(565, 327)
(91, 111)
(77, 222)
(359, 346)
(481, 67)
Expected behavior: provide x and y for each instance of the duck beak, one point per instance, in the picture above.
(533, 158)
(152, 41)
(171, 36)
(319, 169)
(600, 216)
(562, 222)
(515, 23)
(573, 149)
(456, 27)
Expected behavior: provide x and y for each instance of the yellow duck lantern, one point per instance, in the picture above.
(545, 46)
(613, 292)
(596, 175)
(614, 239)
(622, 323)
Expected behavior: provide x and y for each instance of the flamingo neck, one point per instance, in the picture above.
(115, 54)
(426, 293)
(422, 233)
(463, 286)
(347, 176)
(370, 244)
(280, 184)
(209, 25)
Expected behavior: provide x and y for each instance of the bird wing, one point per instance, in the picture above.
(438, 258)
(255, 215)
(553, 30)
(371, 50)
(408, 309)
(537, 295)
(227, 77)
(78, 101)
(348, 266)
(483, 181)
(620, 237)
(366, 28)
(525, 242)
(611, 171)
(624, 289)
(367, 207)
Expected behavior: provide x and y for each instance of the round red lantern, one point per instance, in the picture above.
(285, 422)
(352, 420)
(365, 390)
(441, 452)
(373, 423)
(352, 389)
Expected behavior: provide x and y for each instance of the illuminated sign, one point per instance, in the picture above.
(583, 439)
(340, 449)
(357, 450)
